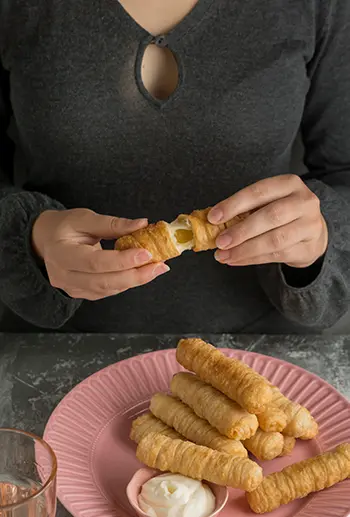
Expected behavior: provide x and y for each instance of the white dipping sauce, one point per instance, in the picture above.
(173, 495)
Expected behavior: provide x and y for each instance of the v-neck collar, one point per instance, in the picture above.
(191, 20)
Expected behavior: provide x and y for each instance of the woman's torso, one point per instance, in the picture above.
(89, 134)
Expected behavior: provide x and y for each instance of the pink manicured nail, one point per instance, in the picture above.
(142, 221)
(215, 215)
(160, 269)
(143, 257)
(221, 256)
(224, 241)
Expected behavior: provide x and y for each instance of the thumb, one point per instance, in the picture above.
(108, 227)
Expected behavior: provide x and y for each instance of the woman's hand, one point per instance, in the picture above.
(69, 244)
(287, 227)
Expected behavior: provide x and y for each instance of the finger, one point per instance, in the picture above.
(86, 259)
(106, 226)
(107, 284)
(296, 256)
(270, 242)
(254, 196)
(276, 214)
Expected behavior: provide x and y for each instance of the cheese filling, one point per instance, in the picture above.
(182, 234)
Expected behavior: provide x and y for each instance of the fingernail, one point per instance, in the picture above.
(142, 257)
(160, 270)
(224, 240)
(222, 256)
(215, 215)
(142, 221)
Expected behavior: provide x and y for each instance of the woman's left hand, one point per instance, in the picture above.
(286, 227)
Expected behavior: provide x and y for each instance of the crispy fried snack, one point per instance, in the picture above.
(273, 419)
(145, 424)
(230, 376)
(204, 233)
(156, 238)
(288, 445)
(301, 479)
(175, 414)
(265, 446)
(168, 240)
(212, 405)
(198, 462)
(300, 423)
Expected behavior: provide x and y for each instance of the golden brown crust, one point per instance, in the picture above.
(221, 412)
(265, 446)
(177, 415)
(273, 419)
(301, 479)
(230, 376)
(197, 462)
(288, 445)
(299, 424)
(205, 233)
(156, 238)
(145, 424)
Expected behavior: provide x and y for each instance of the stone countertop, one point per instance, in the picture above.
(37, 370)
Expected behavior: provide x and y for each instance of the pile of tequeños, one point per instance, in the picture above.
(218, 413)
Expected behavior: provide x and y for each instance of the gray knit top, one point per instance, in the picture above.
(78, 129)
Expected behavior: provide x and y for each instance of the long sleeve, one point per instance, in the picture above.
(320, 295)
(23, 286)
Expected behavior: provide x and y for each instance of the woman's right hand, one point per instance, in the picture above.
(69, 244)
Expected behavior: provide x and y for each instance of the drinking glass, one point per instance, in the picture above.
(28, 470)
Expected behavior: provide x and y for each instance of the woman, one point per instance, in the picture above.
(154, 108)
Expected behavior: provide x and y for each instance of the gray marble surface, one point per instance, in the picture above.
(37, 370)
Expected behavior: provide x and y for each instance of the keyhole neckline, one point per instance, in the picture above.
(157, 103)
(188, 24)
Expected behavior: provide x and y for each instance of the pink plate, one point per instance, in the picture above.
(89, 432)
